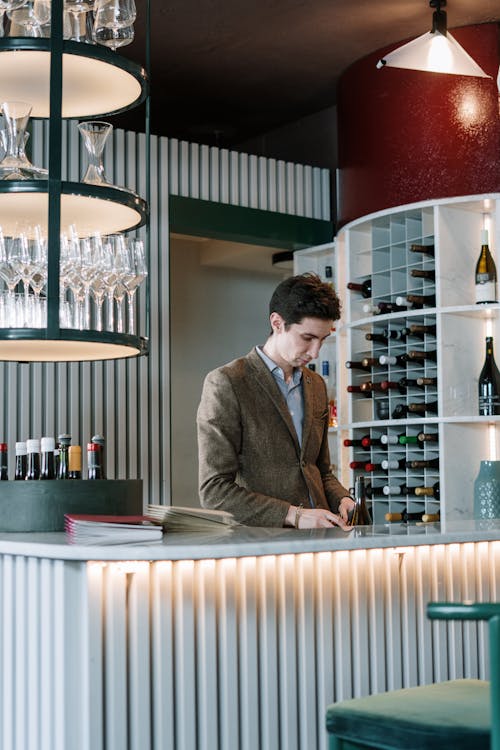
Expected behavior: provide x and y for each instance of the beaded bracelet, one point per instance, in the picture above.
(297, 515)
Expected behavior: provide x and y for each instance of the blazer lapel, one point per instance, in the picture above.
(308, 391)
(265, 380)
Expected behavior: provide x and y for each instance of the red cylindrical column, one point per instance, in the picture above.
(407, 136)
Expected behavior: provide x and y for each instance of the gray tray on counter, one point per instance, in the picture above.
(41, 505)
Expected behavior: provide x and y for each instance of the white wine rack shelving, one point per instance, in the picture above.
(377, 248)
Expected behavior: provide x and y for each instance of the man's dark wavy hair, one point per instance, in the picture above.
(305, 296)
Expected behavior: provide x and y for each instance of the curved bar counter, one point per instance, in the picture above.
(231, 641)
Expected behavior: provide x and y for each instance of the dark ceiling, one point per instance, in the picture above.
(225, 71)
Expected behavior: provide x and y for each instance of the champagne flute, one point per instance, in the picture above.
(139, 271)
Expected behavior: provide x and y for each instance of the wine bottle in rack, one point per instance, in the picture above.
(393, 359)
(393, 464)
(371, 309)
(329, 275)
(377, 387)
(371, 467)
(489, 383)
(388, 385)
(423, 273)
(432, 491)
(422, 407)
(486, 273)
(352, 364)
(420, 440)
(357, 465)
(389, 439)
(418, 300)
(431, 463)
(390, 307)
(404, 516)
(421, 383)
(358, 389)
(365, 442)
(377, 337)
(419, 330)
(424, 249)
(365, 288)
(396, 489)
(396, 333)
(419, 356)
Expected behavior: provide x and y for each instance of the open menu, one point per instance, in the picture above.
(110, 529)
(179, 518)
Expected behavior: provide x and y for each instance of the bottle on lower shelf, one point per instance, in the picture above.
(423, 273)
(404, 516)
(425, 249)
(431, 463)
(393, 464)
(365, 288)
(420, 439)
(403, 410)
(432, 491)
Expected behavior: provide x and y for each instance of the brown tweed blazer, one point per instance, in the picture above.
(250, 462)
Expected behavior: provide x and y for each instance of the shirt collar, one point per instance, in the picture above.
(276, 369)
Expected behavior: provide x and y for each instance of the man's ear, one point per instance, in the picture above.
(277, 322)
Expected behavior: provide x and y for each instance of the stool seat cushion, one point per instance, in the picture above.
(453, 715)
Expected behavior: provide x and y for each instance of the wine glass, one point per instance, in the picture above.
(134, 279)
(24, 20)
(114, 14)
(114, 38)
(10, 276)
(95, 135)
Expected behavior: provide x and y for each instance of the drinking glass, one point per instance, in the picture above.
(24, 21)
(135, 278)
(95, 134)
(113, 38)
(114, 14)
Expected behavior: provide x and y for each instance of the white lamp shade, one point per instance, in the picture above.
(433, 53)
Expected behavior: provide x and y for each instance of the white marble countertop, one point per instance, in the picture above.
(248, 541)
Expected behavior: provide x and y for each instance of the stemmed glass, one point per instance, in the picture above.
(98, 286)
(38, 257)
(95, 134)
(135, 278)
(113, 22)
(10, 276)
(29, 18)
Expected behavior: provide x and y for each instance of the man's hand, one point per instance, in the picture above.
(346, 506)
(317, 518)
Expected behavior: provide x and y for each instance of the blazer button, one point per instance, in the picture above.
(303, 464)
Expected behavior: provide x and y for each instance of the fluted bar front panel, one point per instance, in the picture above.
(221, 654)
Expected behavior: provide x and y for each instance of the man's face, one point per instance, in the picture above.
(301, 342)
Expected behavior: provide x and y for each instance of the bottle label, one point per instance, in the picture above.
(485, 289)
(489, 405)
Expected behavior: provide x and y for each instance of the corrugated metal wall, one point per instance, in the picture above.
(128, 401)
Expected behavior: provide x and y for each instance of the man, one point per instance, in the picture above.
(263, 421)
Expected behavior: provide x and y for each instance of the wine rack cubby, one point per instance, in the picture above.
(420, 340)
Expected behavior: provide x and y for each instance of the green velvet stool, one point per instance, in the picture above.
(454, 715)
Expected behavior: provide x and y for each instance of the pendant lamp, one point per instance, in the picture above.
(436, 51)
